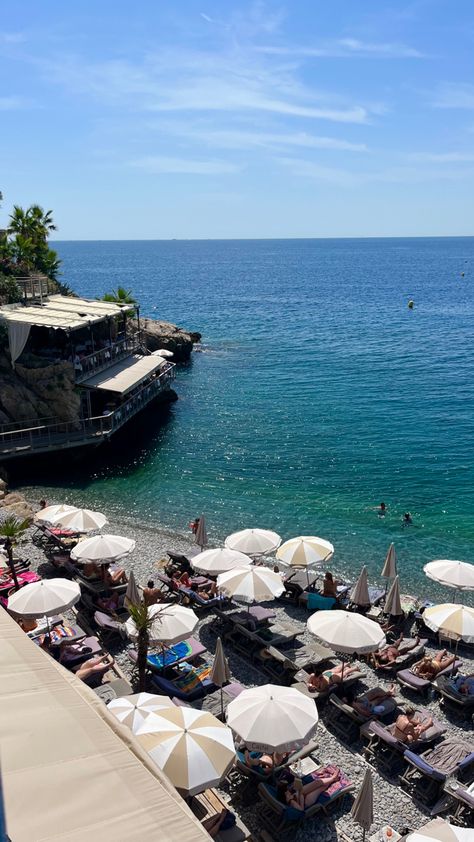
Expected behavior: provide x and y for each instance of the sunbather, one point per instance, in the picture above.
(463, 684)
(94, 666)
(91, 570)
(429, 667)
(329, 678)
(208, 590)
(372, 702)
(213, 823)
(303, 796)
(408, 729)
(390, 653)
(114, 575)
(265, 762)
(330, 585)
(109, 603)
(152, 595)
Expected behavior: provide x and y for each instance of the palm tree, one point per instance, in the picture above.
(12, 529)
(120, 296)
(143, 622)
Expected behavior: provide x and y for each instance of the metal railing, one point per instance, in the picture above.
(102, 359)
(35, 287)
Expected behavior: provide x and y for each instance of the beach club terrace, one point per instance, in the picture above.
(99, 347)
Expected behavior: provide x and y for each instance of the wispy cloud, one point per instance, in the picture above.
(12, 103)
(310, 169)
(344, 48)
(454, 95)
(12, 37)
(390, 175)
(157, 164)
(242, 139)
(443, 157)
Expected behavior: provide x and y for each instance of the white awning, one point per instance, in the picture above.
(126, 374)
(62, 312)
(70, 770)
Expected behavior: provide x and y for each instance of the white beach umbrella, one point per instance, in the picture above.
(360, 592)
(454, 621)
(251, 584)
(80, 520)
(253, 541)
(214, 562)
(273, 718)
(44, 598)
(305, 551)
(193, 749)
(393, 605)
(438, 830)
(171, 624)
(48, 514)
(389, 570)
(102, 549)
(453, 574)
(134, 710)
(346, 632)
(163, 352)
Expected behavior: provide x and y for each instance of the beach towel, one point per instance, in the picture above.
(447, 756)
(193, 679)
(171, 655)
(57, 634)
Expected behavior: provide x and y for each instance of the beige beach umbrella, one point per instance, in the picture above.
(200, 536)
(363, 807)
(360, 592)
(220, 672)
(134, 710)
(171, 624)
(346, 632)
(49, 513)
(453, 574)
(438, 830)
(390, 566)
(193, 749)
(452, 620)
(102, 549)
(393, 605)
(215, 562)
(44, 598)
(80, 520)
(305, 551)
(273, 718)
(132, 594)
(253, 541)
(251, 584)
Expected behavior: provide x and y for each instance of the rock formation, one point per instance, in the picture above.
(164, 335)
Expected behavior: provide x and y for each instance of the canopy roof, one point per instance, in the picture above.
(62, 312)
(126, 374)
(64, 755)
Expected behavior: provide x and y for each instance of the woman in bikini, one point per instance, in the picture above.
(408, 729)
(264, 762)
(430, 667)
(329, 678)
(301, 796)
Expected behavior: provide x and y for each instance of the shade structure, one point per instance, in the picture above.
(305, 551)
(171, 624)
(438, 830)
(200, 536)
(253, 541)
(360, 592)
(81, 520)
(454, 621)
(363, 807)
(453, 574)
(273, 718)
(346, 632)
(251, 584)
(134, 710)
(194, 749)
(393, 605)
(102, 548)
(132, 594)
(44, 598)
(389, 570)
(215, 562)
(49, 513)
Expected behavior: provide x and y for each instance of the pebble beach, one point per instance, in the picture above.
(392, 806)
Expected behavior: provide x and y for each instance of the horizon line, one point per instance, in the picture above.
(265, 239)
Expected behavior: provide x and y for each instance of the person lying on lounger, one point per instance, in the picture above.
(152, 595)
(429, 667)
(264, 762)
(390, 653)
(206, 591)
(408, 729)
(94, 666)
(109, 603)
(463, 684)
(330, 677)
(114, 575)
(213, 823)
(301, 796)
(371, 703)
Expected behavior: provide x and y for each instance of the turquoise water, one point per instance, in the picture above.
(318, 394)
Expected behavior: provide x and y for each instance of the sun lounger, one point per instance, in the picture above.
(321, 695)
(407, 678)
(186, 686)
(386, 750)
(213, 702)
(282, 666)
(108, 627)
(187, 650)
(463, 812)
(463, 701)
(198, 601)
(427, 773)
(113, 690)
(60, 634)
(346, 722)
(313, 601)
(73, 654)
(209, 803)
(407, 656)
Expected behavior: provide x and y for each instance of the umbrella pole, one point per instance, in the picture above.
(222, 703)
(48, 633)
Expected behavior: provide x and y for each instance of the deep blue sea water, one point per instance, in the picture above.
(318, 394)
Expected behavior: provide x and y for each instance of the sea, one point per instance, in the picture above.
(317, 394)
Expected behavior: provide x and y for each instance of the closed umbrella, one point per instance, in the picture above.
(3, 562)
(49, 513)
(132, 594)
(273, 718)
(220, 672)
(200, 536)
(360, 592)
(454, 621)
(393, 605)
(134, 710)
(81, 520)
(44, 599)
(390, 566)
(102, 549)
(251, 584)
(346, 632)
(453, 574)
(193, 749)
(253, 541)
(305, 551)
(363, 807)
(438, 830)
(171, 624)
(163, 352)
(214, 562)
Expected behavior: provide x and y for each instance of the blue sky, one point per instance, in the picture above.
(229, 119)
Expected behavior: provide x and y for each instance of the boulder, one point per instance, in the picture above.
(164, 335)
(21, 510)
(14, 497)
(3, 485)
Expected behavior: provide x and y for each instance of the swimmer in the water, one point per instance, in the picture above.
(407, 519)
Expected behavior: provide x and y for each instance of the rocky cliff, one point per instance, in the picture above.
(163, 335)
